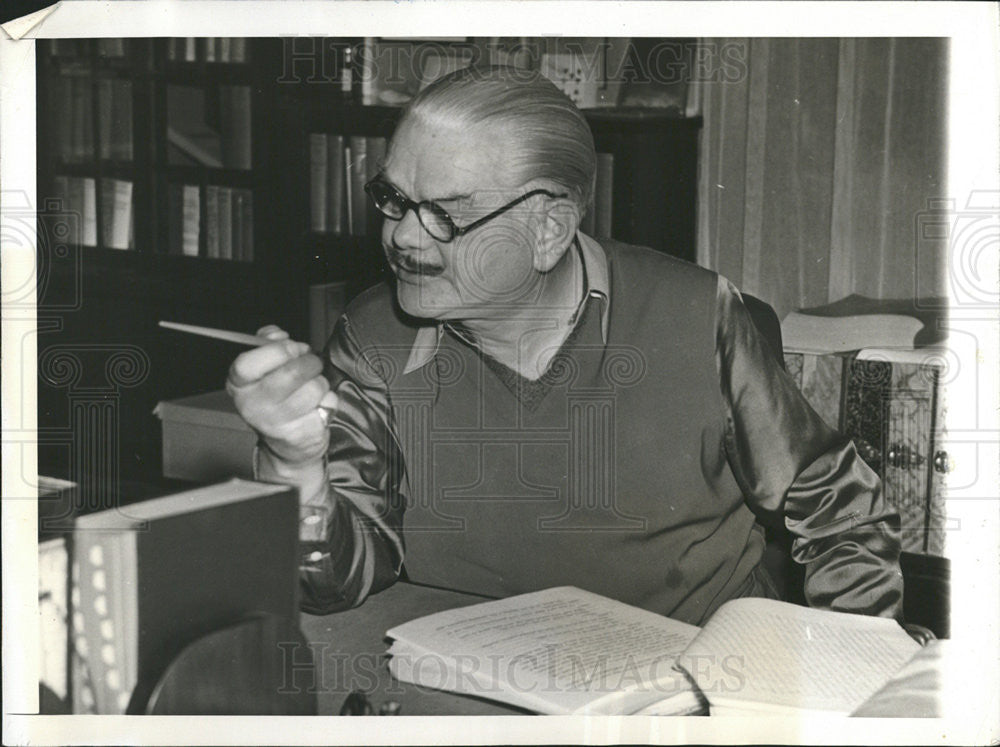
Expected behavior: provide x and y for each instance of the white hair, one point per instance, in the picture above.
(553, 140)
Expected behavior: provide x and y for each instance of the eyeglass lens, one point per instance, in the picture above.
(393, 205)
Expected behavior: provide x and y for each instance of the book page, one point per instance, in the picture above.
(759, 651)
(562, 649)
(915, 690)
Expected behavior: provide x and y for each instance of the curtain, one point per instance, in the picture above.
(818, 157)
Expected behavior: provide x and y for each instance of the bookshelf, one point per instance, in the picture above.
(99, 297)
(184, 122)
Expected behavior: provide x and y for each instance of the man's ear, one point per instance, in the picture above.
(556, 230)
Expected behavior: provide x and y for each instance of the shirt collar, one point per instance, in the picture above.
(595, 265)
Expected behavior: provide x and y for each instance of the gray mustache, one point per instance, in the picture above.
(405, 262)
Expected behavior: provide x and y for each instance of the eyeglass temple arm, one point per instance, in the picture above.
(500, 211)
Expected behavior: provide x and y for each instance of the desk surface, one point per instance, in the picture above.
(349, 651)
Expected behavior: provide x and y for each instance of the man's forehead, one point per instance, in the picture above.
(436, 163)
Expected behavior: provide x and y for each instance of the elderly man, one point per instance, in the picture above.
(525, 406)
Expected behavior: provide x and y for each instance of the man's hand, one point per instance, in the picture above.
(278, 390)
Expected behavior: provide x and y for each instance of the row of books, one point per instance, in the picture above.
(207, 49)
(339, 167)
(113, 47)
(71, 107)
(225, 224)
(179, 49)
(78, 198)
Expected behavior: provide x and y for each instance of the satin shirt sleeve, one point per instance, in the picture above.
(356, 547)
(785, 458)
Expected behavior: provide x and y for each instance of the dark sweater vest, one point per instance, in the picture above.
(617, 480)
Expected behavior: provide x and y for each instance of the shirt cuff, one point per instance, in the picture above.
(315, 513)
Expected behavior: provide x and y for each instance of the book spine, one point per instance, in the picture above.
(212, 221)
(358, 168)
(82, 128)
(604, 190)
(375, 158)
(237, 218)
(226, 126)
(105, 621)
(123, 223)
(106, 210)
(62, 108)
(225, 223)
(121, 119)
(116, 212)
(238, 49)
(111, 47)
(247, 214)
(87, 119)
(105, 117)
(89, 212)
(318, 177)
(175, 218)
(192, 220)
(335, 189)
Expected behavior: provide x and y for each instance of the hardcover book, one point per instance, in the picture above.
(154, 576)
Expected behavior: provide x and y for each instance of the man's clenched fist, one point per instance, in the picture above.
(278, 390)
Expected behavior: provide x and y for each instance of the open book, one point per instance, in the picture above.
(761, 656)
(565, 650)
(557, 651)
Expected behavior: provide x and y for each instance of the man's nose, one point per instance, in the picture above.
(409, 233)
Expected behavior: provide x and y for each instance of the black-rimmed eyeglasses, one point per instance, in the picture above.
(434, 218)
